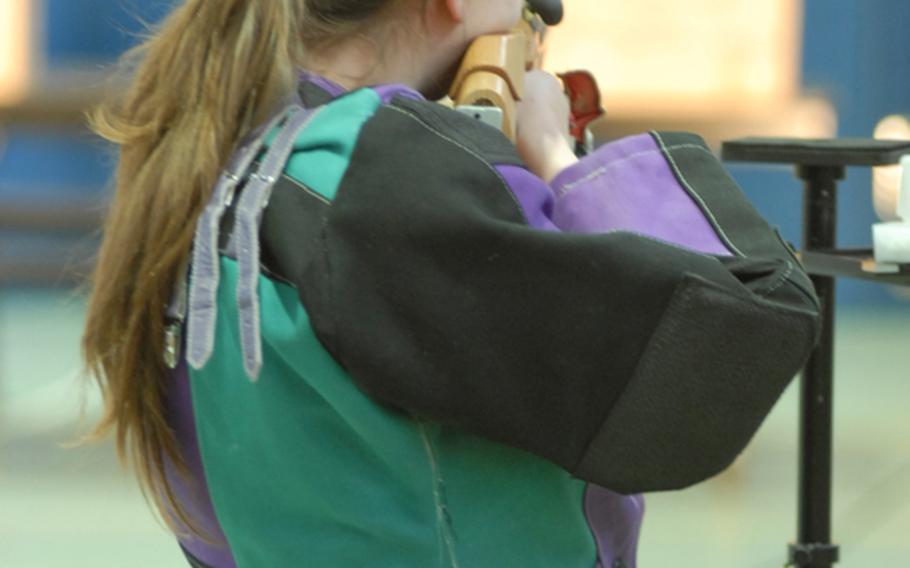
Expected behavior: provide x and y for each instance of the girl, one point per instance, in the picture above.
(336, 324)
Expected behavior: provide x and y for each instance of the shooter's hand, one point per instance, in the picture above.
(542, 121)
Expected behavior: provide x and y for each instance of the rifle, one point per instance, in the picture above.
(490, 82)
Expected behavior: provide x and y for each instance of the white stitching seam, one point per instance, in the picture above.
(563, 190)
(696, 196)
(469, 151)
(308, 190)
(780, 281)
(443, 531)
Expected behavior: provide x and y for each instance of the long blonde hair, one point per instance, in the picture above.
(213, 70)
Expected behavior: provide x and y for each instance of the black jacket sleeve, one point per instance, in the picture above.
(631, 363)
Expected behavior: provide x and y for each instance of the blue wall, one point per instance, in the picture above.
(96, 29)
(856, 51)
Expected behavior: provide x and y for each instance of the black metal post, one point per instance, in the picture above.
(813, 548)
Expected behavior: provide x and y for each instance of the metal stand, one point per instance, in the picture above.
(813, 548)
(821, 165)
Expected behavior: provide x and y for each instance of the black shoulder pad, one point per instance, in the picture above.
(464, 130)
(313, 95)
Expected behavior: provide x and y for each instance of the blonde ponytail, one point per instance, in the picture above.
(214, 69)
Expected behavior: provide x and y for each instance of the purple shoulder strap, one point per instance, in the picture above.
(253, 200)
(195, 298)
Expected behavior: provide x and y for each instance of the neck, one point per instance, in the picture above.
(353, 64)
(362, 61)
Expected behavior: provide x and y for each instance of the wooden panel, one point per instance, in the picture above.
(696, 57)
(15, 49)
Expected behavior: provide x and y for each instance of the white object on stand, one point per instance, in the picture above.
(892, 240)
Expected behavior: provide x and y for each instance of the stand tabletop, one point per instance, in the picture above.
(809, 152)
(855, 263)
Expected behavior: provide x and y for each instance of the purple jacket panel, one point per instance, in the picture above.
(192, 491)
(326, 85)
(630, 185)
(615, 520)
(386, 92)
(534, 196)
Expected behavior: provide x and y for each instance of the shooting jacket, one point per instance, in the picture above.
(402, 348)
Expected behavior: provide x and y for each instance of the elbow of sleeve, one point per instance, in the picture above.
(714, 367)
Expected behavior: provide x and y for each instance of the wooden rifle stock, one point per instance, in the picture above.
(492, 72)
(492, 76)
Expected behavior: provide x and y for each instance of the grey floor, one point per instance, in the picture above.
(75, 508)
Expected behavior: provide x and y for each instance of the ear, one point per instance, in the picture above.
(455, 9)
